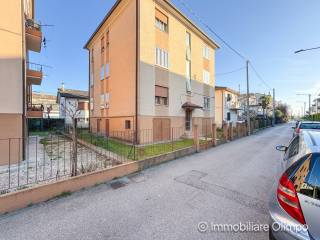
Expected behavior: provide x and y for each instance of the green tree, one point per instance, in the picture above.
(265, 102)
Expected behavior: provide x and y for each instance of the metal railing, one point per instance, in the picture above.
(34, 66)
(35, 107)
(30, 23)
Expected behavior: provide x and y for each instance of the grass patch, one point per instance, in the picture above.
(39, 133)
(131, 152)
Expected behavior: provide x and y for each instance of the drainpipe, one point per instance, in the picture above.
(137, 67)
(23, 80)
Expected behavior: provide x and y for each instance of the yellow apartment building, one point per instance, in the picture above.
(19, 34)
(227, 105)
(152, 69)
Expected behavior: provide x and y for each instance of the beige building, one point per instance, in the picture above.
(48, 102)
(227, 105)
(19, 34)
(150, 68)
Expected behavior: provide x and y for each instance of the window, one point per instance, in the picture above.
(228, 116)
(102, 101)
(162, 58)
(91, 68)
(293, 148)
(206, 52)
(229, 97)
(127, 124)
(161, 95)
(102, 44)
(102, 72)
(206, 103)
(206, 77)
(108, 70)
(161, 21)
(161, 25)
(106, 100)
(188, 40)
(91, 104)
(188, 120)
(188, 76)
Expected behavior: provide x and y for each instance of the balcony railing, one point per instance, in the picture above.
(30, 23)
(35, 111)
(34, 66)
(34, 73)
(33, 35)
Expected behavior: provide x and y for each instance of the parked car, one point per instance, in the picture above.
(305, 125)
(295, 200)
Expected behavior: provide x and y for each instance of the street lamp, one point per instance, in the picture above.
(307, 49)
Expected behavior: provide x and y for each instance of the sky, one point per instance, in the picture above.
(266, 32)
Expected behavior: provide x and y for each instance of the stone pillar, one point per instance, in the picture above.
(196, 137)
(230, 131)
(225, 131)
(238, 126)
(214, 134)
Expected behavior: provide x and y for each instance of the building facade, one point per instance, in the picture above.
(19, 34)
(74, 104)
(227, 105)
(48, 102)
(150, 68)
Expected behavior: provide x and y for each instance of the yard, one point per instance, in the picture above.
(131, 151)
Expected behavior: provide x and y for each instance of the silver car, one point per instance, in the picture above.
(294, 207)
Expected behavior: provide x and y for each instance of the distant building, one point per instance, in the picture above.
(315, 108)
(227, 106)
(49, 104)
(70, 101)
(255, 105)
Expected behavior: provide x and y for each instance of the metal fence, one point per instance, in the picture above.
(47, 156)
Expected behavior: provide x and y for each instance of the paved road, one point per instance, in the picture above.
(227, 184)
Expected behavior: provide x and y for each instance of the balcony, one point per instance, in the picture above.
(235, 106)
(35, 111)
(33, 36)
(34, 73)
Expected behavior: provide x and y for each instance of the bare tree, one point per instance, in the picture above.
(72, 110)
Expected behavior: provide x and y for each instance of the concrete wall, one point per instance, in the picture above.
(20, 199)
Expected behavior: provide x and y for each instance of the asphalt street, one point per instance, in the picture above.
(228, 184)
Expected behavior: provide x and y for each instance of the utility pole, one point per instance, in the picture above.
(248, 102)
(274, 107)
(309, 95)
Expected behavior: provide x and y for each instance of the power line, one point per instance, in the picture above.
(258, 75)
(211, 30)
(222, 40)
(233, 71)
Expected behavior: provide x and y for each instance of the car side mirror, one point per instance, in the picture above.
(293, 127)
(282, 148)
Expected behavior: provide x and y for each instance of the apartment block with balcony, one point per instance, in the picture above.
(19, 34)
(150, 68)
(227, 105)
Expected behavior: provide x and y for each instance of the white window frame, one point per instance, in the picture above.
(188, 76)
(206, 77)
(102, 101)
(206, 103)
(206, 52)
(162, 58)
(91, 104)
(161, 25)
(102, 72)
(107, 70)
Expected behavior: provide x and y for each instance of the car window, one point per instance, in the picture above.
(293, 148)
(305, 175)
(310, 126)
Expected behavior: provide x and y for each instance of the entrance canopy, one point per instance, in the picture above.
(190, 106)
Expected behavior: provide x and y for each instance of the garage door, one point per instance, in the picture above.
(161, 129)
